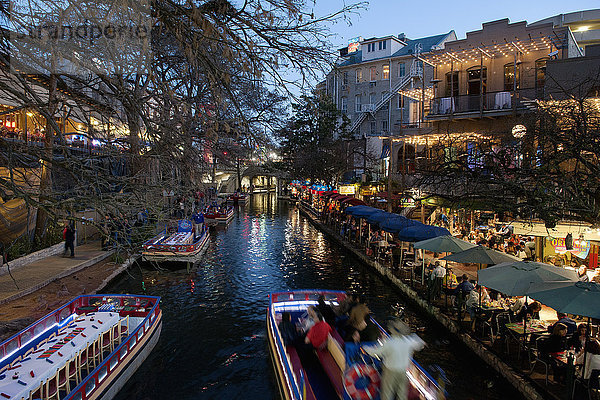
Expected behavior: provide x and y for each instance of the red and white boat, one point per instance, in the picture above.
(239, 198)
(220, 215)
(177, 244)
(84, 350)
(345, 371)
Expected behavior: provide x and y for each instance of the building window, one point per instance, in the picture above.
(477, 77)
(373, 126)
(452, 84)
(372, 100)
(358, 75)
(509, 77)
(401, 70)
(345, 78)
(358, 102)
(373, 73)
(386, 72)
(400, 101)
(384, 126)
(344, 105)
(540, 73)
(382, 45)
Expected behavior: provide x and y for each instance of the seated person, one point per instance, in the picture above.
(326, 310)
(345, 305)
(288, 331)
(319, 333)
(358, 313)
(556, 343)
(310, 320)
(568, 322)
(464, 287)
(578, 340)
(529, 311)
(450, 278)
(371, 332)
(593, 358)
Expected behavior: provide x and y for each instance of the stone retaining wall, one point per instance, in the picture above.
(512, 376)
(33, 257)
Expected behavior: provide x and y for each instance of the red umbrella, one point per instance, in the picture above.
(339, 197)
(354, 202)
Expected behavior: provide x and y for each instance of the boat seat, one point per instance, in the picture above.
(332, 370)
(297, 367)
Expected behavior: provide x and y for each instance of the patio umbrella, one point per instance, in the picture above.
(444, 244)
(378, 217)
(420, 232)
(351, 210)
(517, 278)
(481, 255)
(354, 202)
(396, 223)
(579, 298)
(363, 213)
(569, 297)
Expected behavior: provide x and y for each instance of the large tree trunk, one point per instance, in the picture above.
(46, 163)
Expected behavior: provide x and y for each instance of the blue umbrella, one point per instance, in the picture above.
(377, 218)
(396, 224)
(352, 209)
(419, 232)
(366, 212)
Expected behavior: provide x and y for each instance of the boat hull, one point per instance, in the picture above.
(132, 364)
(178, 256)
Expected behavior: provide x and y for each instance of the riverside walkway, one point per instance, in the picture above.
(32, 276)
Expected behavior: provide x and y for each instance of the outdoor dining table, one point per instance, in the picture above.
(48, 358)
(533, 326)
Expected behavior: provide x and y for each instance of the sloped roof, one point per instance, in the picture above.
(427, 43)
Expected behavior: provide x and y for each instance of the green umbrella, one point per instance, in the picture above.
(480, 255)
(444, 244)
(516, 278)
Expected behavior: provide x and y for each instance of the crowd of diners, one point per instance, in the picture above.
(559, 340)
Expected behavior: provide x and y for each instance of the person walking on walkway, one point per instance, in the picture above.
(397, 352)
(69, 236)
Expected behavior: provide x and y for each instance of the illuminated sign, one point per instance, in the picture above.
(581, 248)
(347, 189)
(353, 44)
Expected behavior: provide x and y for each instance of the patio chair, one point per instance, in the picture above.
(539, 356)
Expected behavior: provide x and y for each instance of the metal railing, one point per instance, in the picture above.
(490, 101)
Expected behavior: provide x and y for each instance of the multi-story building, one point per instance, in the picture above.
(379, 83)
(483, 86)
(585, 25)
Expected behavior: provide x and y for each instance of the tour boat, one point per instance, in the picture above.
(177, 244)
(347, 371)
(239, 198)
(85, 350)
(220, 215)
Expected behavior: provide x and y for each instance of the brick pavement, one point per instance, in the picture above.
(40, 273)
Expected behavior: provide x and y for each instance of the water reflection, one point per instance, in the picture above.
(213, 344)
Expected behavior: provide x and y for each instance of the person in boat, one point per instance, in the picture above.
(358, 312)
(345, 305)
(319, 333)
(198, 219)
(310, 320)
(326, 310)
(397, 352)
(288, 331)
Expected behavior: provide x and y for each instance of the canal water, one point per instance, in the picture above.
(213, 343)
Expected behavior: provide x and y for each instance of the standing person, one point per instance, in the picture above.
(437, 276)
(69, 236)
(397, 352)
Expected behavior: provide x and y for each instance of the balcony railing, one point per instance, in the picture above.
(488, 102)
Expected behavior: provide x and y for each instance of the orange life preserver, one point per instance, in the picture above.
(354, 374)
